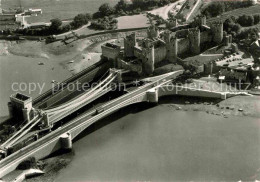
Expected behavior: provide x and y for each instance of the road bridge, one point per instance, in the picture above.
(52, 142)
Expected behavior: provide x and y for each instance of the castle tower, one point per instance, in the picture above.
(148, 60)
(202, 20)
(152, 32)
(217, 31)
(194, 38)
(129, 44)
(171, 46)
(172, 23)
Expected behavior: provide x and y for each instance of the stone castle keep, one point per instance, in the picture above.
(165, 45)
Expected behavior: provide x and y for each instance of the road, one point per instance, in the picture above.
(163, 11)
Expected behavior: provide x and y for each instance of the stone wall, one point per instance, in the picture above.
(159, 54)
(205, 37)
(183, 46)
(129, 66)
(109, 52)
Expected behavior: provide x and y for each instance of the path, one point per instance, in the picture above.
(163, 11)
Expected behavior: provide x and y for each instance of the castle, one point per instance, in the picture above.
(166, 45)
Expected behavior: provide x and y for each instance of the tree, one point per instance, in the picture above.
(79, 20)
(66, 28)
(138, 4)
(88, 16)
(105, 9)
(214, 9)
(55, 25)
(236, 28)
(121, 5)
(256, 19)
(243, 20)
(250, 20)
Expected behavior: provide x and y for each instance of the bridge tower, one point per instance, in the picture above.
(20, 107)
(129, 44)
(171, 46)
(194, 38)
(217, 31)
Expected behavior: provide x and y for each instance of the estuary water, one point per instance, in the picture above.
(63, 9)
(159, 144)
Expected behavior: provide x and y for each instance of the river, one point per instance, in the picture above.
(154, 144)
(159, 144)
(18, 72)
(63, 9)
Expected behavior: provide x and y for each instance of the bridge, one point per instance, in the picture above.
(62, 137)
(48, 117)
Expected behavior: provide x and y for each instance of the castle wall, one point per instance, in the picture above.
(217, 31)
(110, 53)
(138, 53)
(148, 60)
(129, 44)
(182, 33)
(183, 45)
(205, 37)
(128, 66)
(160, 54)
(194, 38)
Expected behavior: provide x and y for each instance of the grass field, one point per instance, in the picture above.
(241, 11)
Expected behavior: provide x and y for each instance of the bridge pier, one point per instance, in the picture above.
(152, 95)
(26, 114)
(3, 152)
(66, 141)
(223, 96)
(46, 120)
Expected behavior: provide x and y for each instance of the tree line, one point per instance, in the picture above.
(216, 8)
(234, 25)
